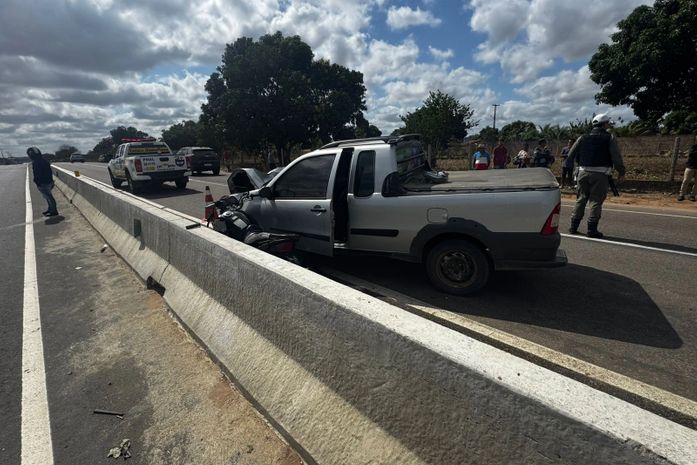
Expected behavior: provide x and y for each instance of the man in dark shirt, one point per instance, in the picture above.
(690, 176)
(43, 178)
(542, 157)
(596, 155)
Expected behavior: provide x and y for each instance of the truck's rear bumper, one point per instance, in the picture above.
(162, 176)
(523, 264)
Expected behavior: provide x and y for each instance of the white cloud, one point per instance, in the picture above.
(404, 17)
(439, 54)
(526, 36)
(559, 99)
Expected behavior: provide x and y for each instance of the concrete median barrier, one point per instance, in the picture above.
(350, 379)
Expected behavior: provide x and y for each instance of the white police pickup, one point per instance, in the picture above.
(147, 161)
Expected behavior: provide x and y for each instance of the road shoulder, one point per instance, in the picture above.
(110, 344)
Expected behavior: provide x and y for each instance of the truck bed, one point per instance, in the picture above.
(490, 180)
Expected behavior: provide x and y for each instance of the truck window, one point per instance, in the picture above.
(364, 181)
(307, 179)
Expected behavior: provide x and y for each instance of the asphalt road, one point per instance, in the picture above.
(628, 309)
(109, 344)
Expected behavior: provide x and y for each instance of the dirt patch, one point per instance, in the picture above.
(654, 200)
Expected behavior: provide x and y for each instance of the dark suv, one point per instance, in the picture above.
(202, 159)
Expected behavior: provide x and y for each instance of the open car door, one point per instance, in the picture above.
(300, 201)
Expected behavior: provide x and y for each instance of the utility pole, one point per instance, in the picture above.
(495, 106)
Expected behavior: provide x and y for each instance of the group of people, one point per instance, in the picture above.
(541, 157)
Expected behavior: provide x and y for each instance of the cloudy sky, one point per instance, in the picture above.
(71, 70)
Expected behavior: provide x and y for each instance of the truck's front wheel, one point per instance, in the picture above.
(457, 267)
(114, 182)
(181, 182)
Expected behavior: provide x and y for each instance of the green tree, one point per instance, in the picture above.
(519, 130)
(122, 132)
(104, 147)
(651, 64)
(680, 122)
(489, 135)
(273, 93)
(184, 134)
(440, 119)
(64, 151)
(580, 127)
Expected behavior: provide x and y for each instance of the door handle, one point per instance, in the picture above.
(318, 209)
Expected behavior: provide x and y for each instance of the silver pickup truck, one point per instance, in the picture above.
(380, 196)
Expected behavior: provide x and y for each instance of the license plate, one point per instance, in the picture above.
(207, 164)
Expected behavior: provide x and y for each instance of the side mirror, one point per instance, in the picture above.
(265, 193)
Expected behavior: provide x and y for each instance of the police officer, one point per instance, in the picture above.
(595, 154)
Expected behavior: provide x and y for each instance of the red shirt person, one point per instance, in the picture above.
(501, 158)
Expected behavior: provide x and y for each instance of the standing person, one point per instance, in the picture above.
(227, 159)
(501, 157)
(567, 165)
(523, 158)
(596, 154)
(690, 176)
(542, 157)
(43, 178)
(481, 158)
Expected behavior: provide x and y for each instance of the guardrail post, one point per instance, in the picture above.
(674, 161)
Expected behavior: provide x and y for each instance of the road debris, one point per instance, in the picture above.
(108, 412)
(122, 451)
(104, 247)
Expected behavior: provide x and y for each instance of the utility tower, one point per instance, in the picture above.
(496, 105)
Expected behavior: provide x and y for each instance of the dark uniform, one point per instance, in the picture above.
(595, 154)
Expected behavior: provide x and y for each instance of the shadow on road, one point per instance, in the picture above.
(166, 191)
(54, 219)
(575, 299)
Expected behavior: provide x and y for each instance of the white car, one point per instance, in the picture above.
(147, 161)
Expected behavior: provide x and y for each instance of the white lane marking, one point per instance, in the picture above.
(640, 212)
(629, 244)
(37, 447)
(208, 182)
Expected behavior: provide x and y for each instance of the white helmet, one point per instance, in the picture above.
(601, 118)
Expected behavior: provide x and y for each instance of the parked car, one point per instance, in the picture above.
(379, 196)
(77, 157)
(146, 161)
(202, 159)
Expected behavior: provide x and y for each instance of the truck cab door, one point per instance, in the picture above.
(300, 202)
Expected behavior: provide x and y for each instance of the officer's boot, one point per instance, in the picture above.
(593, 231)
(574, 226)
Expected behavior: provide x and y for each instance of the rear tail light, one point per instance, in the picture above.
(552, 223)
(188, 162)
(139, 165)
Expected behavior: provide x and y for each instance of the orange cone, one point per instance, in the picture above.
(210, 213)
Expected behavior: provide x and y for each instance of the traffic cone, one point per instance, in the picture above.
(210, 213)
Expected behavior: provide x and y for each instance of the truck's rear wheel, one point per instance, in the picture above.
(133, 186)
(457, 267)
(114, 182)
(181, 183)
